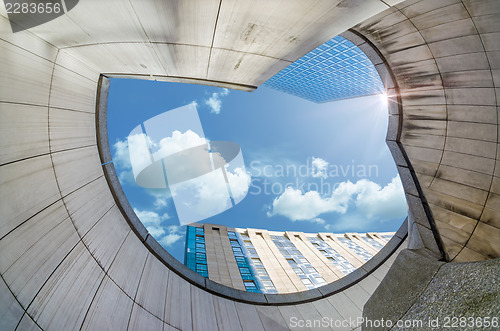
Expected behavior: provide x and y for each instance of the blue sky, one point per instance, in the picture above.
(312, 167)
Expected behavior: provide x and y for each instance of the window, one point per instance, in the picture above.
(250, 286)
(245, 271)
(278, 244)
(262, 272)
(252, 251)
(306, 281)
(320, 280)
(234, 243)
(256, 261)
(311, 270)
(303, 260)
(240, 261)
(291, 262)
(201, 257)
(246, 274)
(268, 284)
(201, 267)
(298, 271)
(200, 247)
(237, 251)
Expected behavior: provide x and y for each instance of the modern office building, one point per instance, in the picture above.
(336, 70)
(265, 261)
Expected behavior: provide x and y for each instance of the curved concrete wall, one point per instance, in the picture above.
(445, 56)
(69, 260)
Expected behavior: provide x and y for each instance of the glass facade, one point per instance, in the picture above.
(302, 267)
(195, 257)
(336, 70)
(254, 275)
(332, 255)
(372, 242)
(251, 266)
(243, 260)
(356, 248)
(386, 237)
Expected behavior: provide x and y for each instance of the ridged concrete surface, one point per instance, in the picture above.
(446, 59)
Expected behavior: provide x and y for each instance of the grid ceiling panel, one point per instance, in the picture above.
(336, 70)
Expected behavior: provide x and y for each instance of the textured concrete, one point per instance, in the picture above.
(439, 52)
(396, 285)
(441, 55)
(472, 290)
(436, 293)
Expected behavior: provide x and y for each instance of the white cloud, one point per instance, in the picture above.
(176, 143)
(174, 235)
(208, 195)
(212, 192)
(318, 221)
(298, 206)
(121, 157)
(166, 235)
(201, 197)
(161, 197)
(239, 181)
(385, 203)
(121, 161)
(170, 239)
(123, 167)
(152, 221)
(156, 231)
(319, 167)
(214, 102)
(132, 155)
(138, 147)
(370, 199)
(150, 218)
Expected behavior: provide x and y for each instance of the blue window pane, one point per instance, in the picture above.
(336, 70)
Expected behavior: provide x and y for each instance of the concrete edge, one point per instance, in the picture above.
(188, 80)
(407, 174)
